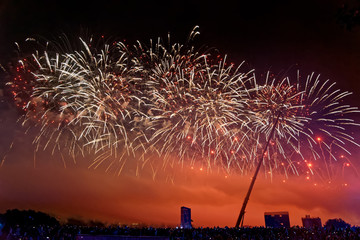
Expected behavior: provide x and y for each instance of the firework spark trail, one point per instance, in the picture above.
(199, 114)
(196, 106)
(312, 119)
(179, 103)
(82, 101)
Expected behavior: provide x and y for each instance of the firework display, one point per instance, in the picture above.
(178, 104)
(311, 122)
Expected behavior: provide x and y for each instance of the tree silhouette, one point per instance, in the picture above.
(336, 223)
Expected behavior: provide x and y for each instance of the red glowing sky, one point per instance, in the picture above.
(215, 198)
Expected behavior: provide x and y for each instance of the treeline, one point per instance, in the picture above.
(29, 225)
(13, 218)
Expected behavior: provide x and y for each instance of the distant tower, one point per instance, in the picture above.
(309, 222)
(277, 219)
(185, 217)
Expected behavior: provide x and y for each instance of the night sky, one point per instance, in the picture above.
(281, 36)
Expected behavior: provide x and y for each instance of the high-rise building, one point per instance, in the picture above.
(309, 222)
(185, 217)
(277, 219)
